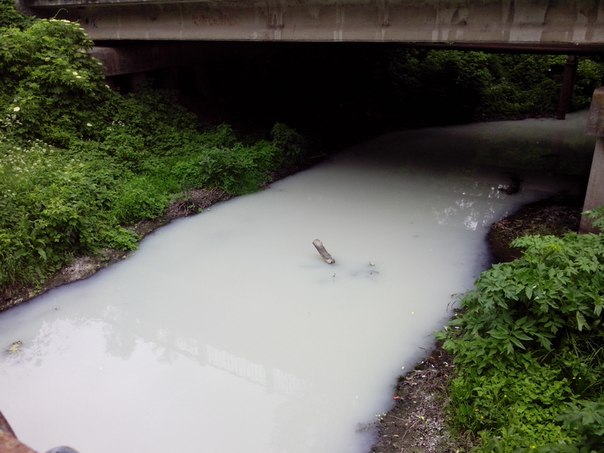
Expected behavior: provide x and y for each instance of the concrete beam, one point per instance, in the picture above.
(568, 25)
(137, 59)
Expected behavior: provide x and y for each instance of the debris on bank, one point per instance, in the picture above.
(557, 216)
(417, 422)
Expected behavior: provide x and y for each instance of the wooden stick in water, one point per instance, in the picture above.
(324, 253)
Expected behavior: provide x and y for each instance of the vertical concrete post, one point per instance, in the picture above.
(595, 187)
(568, 83)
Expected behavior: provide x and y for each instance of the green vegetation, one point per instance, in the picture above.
(80, 162)
(441, 85)
(529, 349)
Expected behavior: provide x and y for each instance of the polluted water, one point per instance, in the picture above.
(227, 332)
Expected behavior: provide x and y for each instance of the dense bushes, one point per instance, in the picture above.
(79, 162)
(529, 349)
(50, 86)
(447, 86)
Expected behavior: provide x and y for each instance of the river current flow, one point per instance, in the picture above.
(226, 332)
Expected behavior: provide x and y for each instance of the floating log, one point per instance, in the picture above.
(324, 253)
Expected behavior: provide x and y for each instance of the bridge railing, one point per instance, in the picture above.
(536, 25)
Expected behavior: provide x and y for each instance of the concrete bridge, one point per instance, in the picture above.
(561, 26)
(569, 26)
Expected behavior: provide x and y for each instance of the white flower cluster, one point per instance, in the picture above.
(74, 73)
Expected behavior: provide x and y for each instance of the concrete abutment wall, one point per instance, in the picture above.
(594, 196)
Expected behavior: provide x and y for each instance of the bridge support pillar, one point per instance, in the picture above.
(568, 83)
(595, 187)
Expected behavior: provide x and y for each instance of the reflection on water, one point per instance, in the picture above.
(226, 332)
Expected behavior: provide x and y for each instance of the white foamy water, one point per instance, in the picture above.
(227, 333)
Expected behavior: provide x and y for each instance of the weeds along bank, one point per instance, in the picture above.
(79, 161)
(529, 349)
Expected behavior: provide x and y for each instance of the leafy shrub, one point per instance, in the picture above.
(451, 86)
(153, 117)
(586, 418)
(53, 207)
(221, 136)
(513, 407)
(140, 198)
(50, 82)
(10, 17)
(530, 341)
(554, 289)
(129, 149)
(445, 86)
(79, 161)
(596, 217)
(291, 146)
(239, 169)
(590, 74)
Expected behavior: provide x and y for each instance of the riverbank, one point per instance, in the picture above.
(418, 391)
(188, 203)
(193, 202)
(417, 421)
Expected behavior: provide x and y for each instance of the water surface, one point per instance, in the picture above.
(226, 332)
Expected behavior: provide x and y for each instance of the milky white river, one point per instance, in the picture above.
(227, 333)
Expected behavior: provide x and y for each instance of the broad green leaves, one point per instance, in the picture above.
(532, 331)
(557, 284)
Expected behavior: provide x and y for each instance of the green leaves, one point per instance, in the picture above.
(587, 419)
(54, 206)
(531, 326)
(10, 17)
(239, 169)
(49, 82)
(557, 284)
(509, 408)
(596, 216)
(477, 85)
(78, 162)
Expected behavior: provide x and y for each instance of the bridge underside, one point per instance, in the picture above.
(570, 26)
(547, 25)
